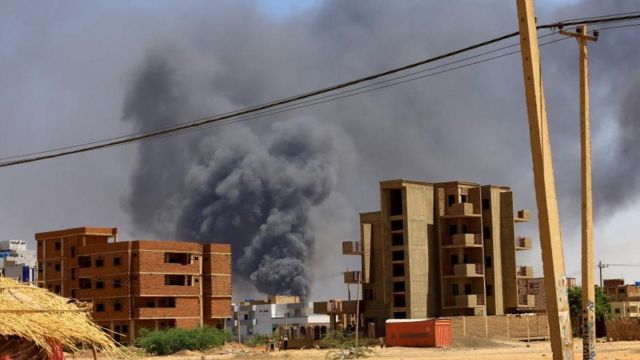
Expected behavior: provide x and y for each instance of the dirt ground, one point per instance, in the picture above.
(463, 348)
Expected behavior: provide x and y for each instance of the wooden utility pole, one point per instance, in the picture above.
(548, 219)
(588, 283)
(358, 311)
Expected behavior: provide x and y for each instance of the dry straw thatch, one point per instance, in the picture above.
(40, 317)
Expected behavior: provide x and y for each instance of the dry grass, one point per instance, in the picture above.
(39, 316)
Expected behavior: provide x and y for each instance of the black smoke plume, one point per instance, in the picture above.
(232, 186)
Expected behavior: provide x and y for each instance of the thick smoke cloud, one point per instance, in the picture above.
(257, 194)
(74, 69)
(232, 186)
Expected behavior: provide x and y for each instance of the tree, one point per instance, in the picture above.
(603, 307)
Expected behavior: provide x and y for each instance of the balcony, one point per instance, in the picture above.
(464, 240)
(523, 215)
(526, 300)
(523, 243)
(464, 209)
(466, 301)
(525, 271)
(351, 248)
(336, 307)
(352, 277)
(464, 270)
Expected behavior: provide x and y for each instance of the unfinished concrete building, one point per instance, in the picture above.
(137, 284)
(440, 249)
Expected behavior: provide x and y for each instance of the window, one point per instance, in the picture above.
(489, 290)
(99, 262)
(451, 200)
(72, 251)
(117, 306)
(399, 300)
(178, 280)
(398, 270)
(57, 267)
(99, 307)
(465, 229)
(398, 286)
(397, 225)
(84, 283)
(465, 259)
(463, 198)
(467, 289)
(72, 273)
(487, 233)
(39, 243)
(125, 329)
(84, 261)
(117, 283)
(58, 245)
(57, 289)
(177, 258)
(73, 293)
(400, 315)
(485, 204)
(453, 229)
(455, 289)
(397, 255)
(397, 239)
(488, 261)
(100, 284)
(617, 311)
(395, 202)
(454, 259)
(116, 261)
(368, 294)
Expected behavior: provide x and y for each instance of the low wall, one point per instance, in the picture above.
(623, 329)
(525, 326)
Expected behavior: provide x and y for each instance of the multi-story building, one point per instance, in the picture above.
(278, 314)
(137, 284)
(16, 261)
(440, 249)
(624, 298)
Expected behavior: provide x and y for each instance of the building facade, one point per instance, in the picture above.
(137, 284)
(440, 249)
(16, 261)
(624, 298)
(278, 314)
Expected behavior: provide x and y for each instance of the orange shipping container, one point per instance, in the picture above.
(418, 332)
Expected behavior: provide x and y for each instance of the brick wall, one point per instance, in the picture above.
(507, 326)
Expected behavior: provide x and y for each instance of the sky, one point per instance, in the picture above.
(76, 71)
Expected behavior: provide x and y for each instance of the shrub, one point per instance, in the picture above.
(256, 340)
(169, 341)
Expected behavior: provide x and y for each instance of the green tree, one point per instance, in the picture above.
(603, 307)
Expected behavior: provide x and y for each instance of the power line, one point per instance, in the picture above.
(207, 122)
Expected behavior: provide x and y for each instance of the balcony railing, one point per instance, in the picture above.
(526, 300)
(352, 277)
(351, 248)
(523, 215)
(460, 210)
(464, 270)
(463, 240)
(525, 271)
(523, 243)
(465, 301)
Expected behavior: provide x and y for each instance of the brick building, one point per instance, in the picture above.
(624, 298)
(137, 284)
(439, 249)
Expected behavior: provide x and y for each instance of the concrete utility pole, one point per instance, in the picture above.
(588, 284)
(548, 219)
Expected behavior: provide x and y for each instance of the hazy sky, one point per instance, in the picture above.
(70, 68)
